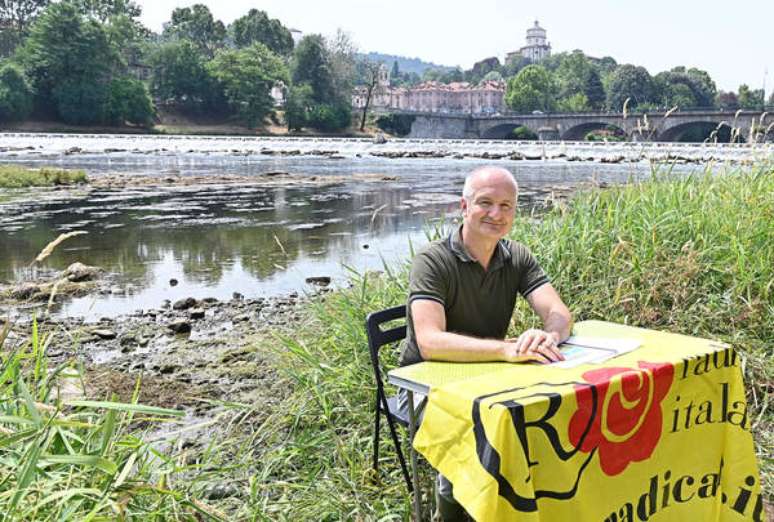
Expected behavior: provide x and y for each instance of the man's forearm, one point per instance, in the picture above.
(452, 347)
(558, 324)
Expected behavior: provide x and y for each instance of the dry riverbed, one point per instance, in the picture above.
(191, 354)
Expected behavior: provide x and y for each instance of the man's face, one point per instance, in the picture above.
(491, 209)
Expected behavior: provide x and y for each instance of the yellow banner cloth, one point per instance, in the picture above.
(660, 433)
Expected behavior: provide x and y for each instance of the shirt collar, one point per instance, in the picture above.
(501, 254)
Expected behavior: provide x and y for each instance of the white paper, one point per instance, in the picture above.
(594, 350)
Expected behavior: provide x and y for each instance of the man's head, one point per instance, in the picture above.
(489, 203)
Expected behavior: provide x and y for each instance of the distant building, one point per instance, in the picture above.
(297, 35)
(537, 47)
(456, 97)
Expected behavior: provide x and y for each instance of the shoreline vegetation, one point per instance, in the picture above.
(690, 254)
(14, 176)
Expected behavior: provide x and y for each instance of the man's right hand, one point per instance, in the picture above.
(533, 343)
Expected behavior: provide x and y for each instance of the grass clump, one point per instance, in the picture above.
(14, 176)
(63, 457)
(692, 255)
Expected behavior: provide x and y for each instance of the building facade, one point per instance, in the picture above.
(537, 47)
(457, 97)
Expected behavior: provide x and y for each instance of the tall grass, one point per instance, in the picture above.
(692, 255)
(63, 457)
(14, 176)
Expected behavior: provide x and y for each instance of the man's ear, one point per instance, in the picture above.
(463, 206)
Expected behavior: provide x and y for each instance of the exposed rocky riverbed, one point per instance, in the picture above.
(190, 354)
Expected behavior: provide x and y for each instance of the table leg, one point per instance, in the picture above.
(414, 472)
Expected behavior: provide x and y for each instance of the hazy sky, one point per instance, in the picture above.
(733, 41)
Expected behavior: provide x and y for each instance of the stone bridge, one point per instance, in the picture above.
(740, 126)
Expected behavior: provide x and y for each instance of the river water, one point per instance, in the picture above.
(218, 239)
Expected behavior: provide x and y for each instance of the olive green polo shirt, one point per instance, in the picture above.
(477, 302)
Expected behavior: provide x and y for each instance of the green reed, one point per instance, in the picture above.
(15, 176)
(63, 457)
(691, 254)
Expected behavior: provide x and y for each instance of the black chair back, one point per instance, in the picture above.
(378, 337)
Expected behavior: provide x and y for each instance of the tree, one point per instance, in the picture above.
(395, 71)
(247, 76)
(578, 102)
(70, 61)
(750, 99)
(452, 75)
(19, 14)
(103, 10)
(311, 65)
(15, 93)
(514, 65)
(371, 76)
(197, 24)
(180, 75)
(771, 99)
(130, 102)
(298, 106)
(481, 68)
(632, 83)
(492, 76)
(576, 75)
(257, 27)
(684, 88)
(342, 52)
(727, 101)
(531, 90)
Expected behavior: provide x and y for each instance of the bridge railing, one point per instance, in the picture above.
(542, 114)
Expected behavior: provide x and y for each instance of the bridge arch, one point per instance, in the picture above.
(578, 132)
(504, 130)
(699, 131)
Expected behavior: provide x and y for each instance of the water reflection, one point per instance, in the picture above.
(220, 239)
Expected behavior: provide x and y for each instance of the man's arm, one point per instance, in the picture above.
(557, 320)
(435, 343)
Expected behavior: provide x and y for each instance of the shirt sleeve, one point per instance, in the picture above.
(428, 279)
(532, 276)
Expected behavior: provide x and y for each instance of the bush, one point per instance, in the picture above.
(13, 176)
(330, 117)
(130, 102)
(396, 124)
(81, 103)
(15, 93)
(523, 134)
(298, 106)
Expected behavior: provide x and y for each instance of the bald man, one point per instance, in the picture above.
(462, 291)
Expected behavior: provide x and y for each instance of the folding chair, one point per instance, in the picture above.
(384, 405)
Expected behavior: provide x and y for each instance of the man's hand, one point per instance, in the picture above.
(535, 343)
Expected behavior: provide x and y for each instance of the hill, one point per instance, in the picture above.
(405, 64)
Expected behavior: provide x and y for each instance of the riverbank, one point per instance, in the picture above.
(176, 124)
(14, 176)
(693, 255)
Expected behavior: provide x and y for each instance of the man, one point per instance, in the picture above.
(462, 291)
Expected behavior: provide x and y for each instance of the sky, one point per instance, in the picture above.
(733, 42)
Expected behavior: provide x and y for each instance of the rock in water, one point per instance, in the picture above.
(319, 280)
(78, 272)
(184, 304)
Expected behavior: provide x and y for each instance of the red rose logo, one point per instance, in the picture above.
(627, 425)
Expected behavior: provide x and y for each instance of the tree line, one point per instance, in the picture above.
(574, 82)
(92, 62)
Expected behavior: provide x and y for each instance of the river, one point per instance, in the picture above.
(170, 242)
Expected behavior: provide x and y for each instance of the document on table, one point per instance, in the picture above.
(579, 350)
